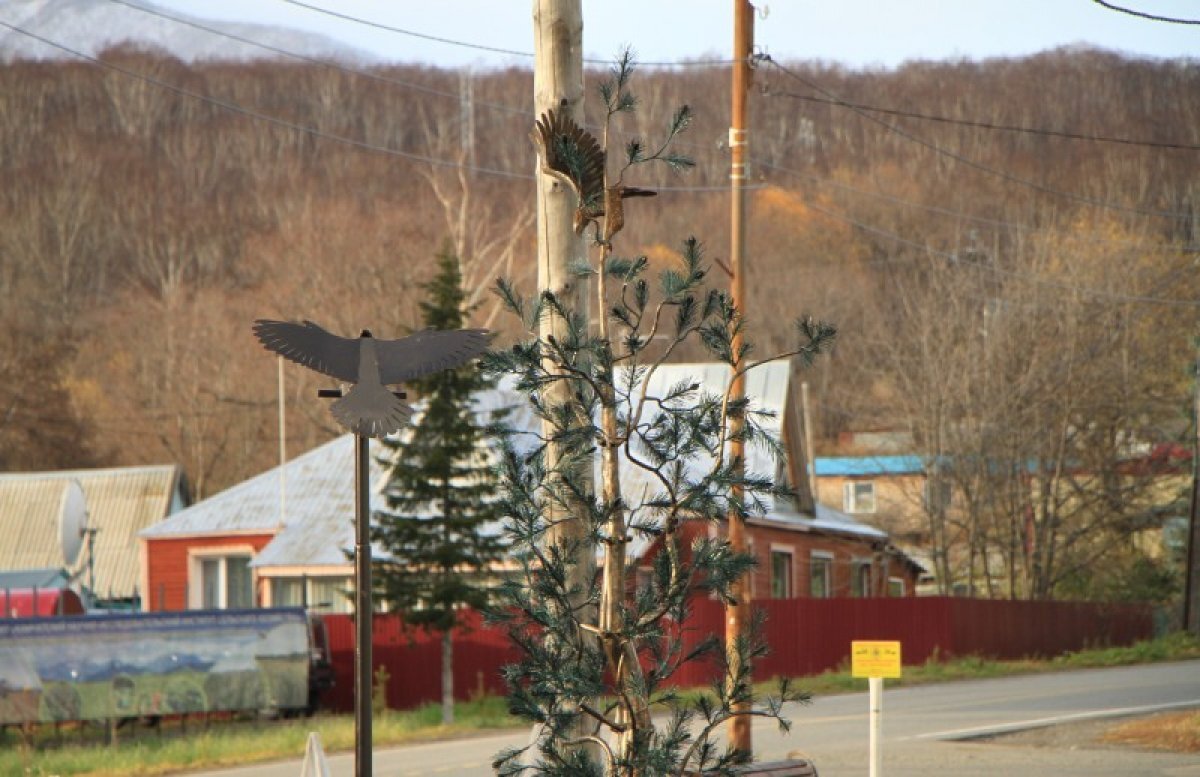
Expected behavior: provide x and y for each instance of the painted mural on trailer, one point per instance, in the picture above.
(116, 666)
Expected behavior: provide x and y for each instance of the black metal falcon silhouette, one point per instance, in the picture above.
(573, 155)
(369, 408)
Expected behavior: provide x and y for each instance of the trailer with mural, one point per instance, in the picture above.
(97, 667)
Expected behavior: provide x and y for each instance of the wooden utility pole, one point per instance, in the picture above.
(738, 613)
(1191, 588)
(558, 84)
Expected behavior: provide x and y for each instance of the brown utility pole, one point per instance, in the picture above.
(1191, 588)
(738, 613)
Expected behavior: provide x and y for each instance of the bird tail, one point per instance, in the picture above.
(371, 411)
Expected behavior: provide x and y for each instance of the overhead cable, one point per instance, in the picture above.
(482, 47)
(1091, 201)
(1144, 15)
(983, 124)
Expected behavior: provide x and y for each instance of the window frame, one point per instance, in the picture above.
(197, 558)
(859, 569)
(789, 579)
(823, 560)
(853, 503)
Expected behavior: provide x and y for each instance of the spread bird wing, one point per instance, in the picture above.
(571, 154)
(310, 345)
(427, 351)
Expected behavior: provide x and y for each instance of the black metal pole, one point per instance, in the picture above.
(362, 611)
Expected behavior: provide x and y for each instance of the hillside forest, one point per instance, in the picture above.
(1008, 248)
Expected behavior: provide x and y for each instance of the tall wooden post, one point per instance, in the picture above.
(1191, 587)
(558, 84)
(362, 610)
(738, 613)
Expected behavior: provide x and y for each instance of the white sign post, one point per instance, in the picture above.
(875, 661)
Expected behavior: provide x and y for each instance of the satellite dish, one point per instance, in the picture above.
(72, 522)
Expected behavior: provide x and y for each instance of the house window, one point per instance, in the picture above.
(781, 574)
(858, 496)
(820, 576)
(860, 578)
(896, 586)
(225, 582)
(328, 594)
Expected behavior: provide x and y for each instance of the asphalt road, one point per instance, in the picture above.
(933, 729)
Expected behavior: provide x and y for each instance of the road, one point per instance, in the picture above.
(926, 730)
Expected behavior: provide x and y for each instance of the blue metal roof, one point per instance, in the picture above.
(857, 466)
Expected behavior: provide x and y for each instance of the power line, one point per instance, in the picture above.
(479, 46)
(247, 112)
(983, 124)
(1144, 15)
(236, 108)
(971, 162)
(949, 213)
(317, 60)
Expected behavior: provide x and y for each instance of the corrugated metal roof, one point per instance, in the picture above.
(120, 503)
(318, 527)
(313, 522)
(766, 387)
(851, 466)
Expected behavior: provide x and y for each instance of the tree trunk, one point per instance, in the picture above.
(447, 678)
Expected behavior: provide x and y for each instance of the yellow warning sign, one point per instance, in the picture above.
(874, 659)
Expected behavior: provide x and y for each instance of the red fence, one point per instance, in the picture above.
(806, 636)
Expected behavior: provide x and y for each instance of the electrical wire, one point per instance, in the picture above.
(318, 61)
(249, 113)
(1144, 15)
(481, 47)
(982, 124)
(971, 162)
(949, 213)
(524, 112)
(234, 107)
(432, 160)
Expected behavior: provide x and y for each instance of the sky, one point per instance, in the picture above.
(856, 33)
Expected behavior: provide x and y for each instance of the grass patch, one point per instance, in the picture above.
(1174, 647)
(229, 743)
(1176, 732)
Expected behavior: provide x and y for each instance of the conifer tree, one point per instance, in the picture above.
(609, 662)
(440, 496)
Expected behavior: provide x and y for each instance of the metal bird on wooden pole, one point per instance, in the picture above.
(369, 409)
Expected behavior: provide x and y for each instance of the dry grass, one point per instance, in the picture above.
(1177, 732)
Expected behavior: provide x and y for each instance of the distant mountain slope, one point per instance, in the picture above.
(89, 26)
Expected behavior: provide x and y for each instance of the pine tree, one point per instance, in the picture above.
(609, 661)
(440, 496)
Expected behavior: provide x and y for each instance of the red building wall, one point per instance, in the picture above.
(844, 552)
(167, 566)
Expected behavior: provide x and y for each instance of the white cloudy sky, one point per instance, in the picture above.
(858, 33)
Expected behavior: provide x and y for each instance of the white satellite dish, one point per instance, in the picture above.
(72, 522)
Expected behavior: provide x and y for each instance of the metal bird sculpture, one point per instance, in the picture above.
(368, 408)
(572, 155)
